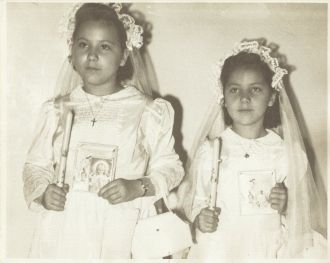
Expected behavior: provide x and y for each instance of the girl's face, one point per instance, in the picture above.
(97, 54)
(247, 96)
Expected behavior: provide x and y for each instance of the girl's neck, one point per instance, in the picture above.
(249, 132)
(103, 89)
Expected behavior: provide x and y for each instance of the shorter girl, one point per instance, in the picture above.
(256, 169)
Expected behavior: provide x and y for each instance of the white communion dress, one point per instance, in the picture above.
(131, 138)
(248, 227)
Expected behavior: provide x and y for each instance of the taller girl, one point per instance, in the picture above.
(115, 125)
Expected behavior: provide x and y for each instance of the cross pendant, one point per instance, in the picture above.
(93, 121)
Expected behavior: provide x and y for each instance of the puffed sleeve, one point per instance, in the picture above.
(164, 168)
(202, 167)
(38, 169)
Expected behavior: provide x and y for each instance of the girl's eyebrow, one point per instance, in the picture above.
(232, 84)
(102, 40)
(257, 83)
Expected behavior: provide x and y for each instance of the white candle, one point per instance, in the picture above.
(215, 172)
(65, 147)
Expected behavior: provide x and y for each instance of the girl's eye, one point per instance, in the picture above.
(105, 47)
(82, 44)
(256, 89)
(233, 90)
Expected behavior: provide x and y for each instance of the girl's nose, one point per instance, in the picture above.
(245, 98)
(92, 54)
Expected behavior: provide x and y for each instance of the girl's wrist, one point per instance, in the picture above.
(195, 223)
(142, 186)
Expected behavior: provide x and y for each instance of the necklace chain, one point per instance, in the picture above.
(247, 150)
(92, 111)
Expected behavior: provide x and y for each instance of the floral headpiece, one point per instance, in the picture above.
(133, 32)
(250, 47)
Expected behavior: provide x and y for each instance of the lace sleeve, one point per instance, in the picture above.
(165, 168)
(38, 170)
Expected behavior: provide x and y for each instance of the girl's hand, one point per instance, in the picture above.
(54, 197)
(279, 197)
(121, 190)
(207, 220)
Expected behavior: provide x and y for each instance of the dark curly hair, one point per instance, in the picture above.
(104, 13)
(245, 60)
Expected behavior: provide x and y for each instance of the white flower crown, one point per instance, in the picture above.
(133, 32)
(250, 47)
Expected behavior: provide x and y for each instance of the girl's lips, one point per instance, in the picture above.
(245, 110)
(92, 68)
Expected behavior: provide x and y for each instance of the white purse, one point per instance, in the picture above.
(160, 236)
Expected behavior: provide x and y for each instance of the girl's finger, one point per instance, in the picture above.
(210, 223)
(108, 189)
(281, 184)
(278, 190)
(108, 193)
(66, 188)
(217, 211)
(115, 201)
(206, 226)
(209, 220)
(114, 196)
(57, 204)
(275, 201)
(60, 199)
(277, 195)
(207, 212)
(56, 195)
(57, 191)
(211, 228)
(214, 227)
(56, 208)
(275, 206)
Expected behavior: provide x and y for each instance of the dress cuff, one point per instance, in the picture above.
(160, 185)
(283, 221)
(32, 203)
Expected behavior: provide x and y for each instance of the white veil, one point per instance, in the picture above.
(68, 79)
(144, 78)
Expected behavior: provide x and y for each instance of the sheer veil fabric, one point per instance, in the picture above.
(68, 79)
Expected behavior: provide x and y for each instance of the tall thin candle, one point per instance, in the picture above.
(215, 172)
(65, 147)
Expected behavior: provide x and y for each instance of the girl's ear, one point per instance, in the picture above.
(272, 99)
(124, 58)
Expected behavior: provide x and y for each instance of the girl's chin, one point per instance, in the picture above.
(94, 83)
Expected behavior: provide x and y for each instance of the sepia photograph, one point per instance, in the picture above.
(203, 125)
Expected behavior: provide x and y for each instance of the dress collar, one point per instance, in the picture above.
(127, 92)
(270, 138)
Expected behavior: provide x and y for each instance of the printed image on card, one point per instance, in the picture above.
(255, 187)
(95, 166)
